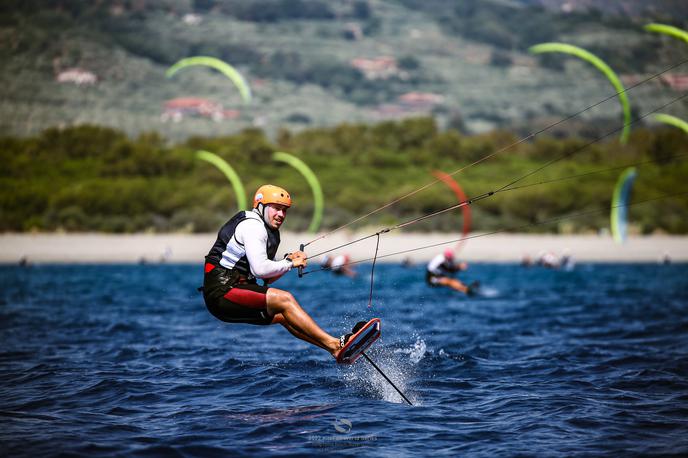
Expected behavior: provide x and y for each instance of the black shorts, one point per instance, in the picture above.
(431, 279)
(238, 303)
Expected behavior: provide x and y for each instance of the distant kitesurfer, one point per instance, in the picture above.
(665, 259)
(244, 251)
(566, 262)
(548, 260)
(440, 270)
(326, 262)
(526, 261)
(340, 266)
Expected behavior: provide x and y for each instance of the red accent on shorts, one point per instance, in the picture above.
(208, 267)
(247, 298)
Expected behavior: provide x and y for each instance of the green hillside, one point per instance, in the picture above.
(297, 56)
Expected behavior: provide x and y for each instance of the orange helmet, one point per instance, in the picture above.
(271, 194)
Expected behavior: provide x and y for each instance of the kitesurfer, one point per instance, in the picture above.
(340, 265)
(245, 251)
(439, 271)
(548, 259)
(326, 262)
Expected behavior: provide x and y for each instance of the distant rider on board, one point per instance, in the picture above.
(440, 270)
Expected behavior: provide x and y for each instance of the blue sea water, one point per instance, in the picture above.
(126, 361)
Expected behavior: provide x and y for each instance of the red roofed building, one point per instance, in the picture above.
(378, 68)
(675, 82)
(77, 76)
(420, 99)
(176, 109)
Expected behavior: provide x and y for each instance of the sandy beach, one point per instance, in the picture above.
(190, 248)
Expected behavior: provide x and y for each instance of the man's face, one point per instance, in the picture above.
(275, 214)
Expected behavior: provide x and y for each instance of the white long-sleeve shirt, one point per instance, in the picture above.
(438, 265)
(250, 238)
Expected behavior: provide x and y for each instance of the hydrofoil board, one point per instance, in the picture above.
(359, 342)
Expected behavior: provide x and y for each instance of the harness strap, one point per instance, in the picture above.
(238, 277)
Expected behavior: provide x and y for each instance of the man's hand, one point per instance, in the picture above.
(298, 259)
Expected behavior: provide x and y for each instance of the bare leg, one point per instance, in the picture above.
(282, 302)
(452, 283)
(349, 272)
(279, 318)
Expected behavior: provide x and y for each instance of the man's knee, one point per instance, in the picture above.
(287, 299)
(280, 299)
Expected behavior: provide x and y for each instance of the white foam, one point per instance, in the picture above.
(486, 291)
(416, 351)
(397, 372)
(363, 376)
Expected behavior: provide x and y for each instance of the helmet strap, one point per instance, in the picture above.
(261, 207)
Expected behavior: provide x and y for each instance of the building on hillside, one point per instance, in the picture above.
(176, 109)
(378, 68)
(420, 100)
(76, 76)
(676, 82)
(409, 104)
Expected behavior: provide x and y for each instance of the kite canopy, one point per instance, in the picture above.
(465, 209)
(318, 199)
(620, 201)
(668, 30)
(601, 66)
(219, 65)
(229, 172)
(672, 121)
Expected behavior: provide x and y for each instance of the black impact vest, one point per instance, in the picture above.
(226, 236)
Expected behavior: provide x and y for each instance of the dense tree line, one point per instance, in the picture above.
(90, 178)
